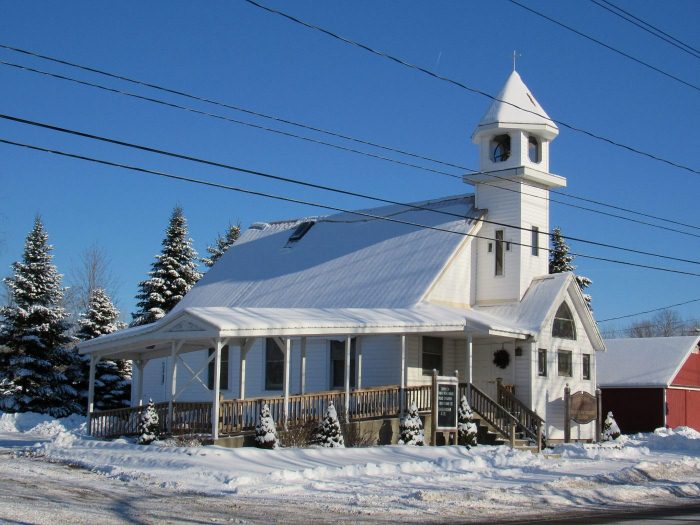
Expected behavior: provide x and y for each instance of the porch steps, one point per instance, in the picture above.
(488, 435)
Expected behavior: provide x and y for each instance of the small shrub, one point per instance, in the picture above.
(299, 435)
(466, 428)
(356, 437)
(610, 429)
(148, 428)
(265, 431)
(411, 428)
(329, 433)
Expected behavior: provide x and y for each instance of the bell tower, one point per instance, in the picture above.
(513, 185)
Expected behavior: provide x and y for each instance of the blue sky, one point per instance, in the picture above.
(235, 53)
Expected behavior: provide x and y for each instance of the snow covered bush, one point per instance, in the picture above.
(610, 429)
(265, 431)
(411, 428)
(329, 433)
(148, 429)
(466, 428)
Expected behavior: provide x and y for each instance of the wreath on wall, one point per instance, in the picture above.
(501, 358)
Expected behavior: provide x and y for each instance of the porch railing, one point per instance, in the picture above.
(493, 413)
(529, 422)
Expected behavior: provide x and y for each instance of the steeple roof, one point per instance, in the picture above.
(503, 113)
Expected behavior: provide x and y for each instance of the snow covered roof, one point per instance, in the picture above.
(343, 261)
(643, 362)
(502, 114)
(539, 303)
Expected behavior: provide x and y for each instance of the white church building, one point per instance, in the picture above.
(354, 303)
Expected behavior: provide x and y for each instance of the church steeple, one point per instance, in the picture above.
(510, 136)
(513, 186)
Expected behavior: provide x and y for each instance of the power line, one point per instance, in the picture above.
(469, 88)
(600, 43)
(150, 99)
(221, 117)
(648, 311)
(654, 30)
(326, 206)
(612, 9)
(313, 185)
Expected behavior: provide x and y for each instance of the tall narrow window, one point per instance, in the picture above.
(499, 252)
(542, 362)
(432, 355)
(274, 366)
(223, 380)
(338, 364)
(564, 364)
(586, 366)
(500, 148)
(533, 149)
(535, 242)
(564, 325)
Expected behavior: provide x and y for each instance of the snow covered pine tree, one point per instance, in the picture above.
(411, 428)
(34, 330)
(560, 261)
(329, 433)
(221, 245)
(466, 428)
(148, 429)
(610, 429)
(112, 378)
(172, 274)
(265, 431)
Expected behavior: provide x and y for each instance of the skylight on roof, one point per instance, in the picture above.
(301, 230)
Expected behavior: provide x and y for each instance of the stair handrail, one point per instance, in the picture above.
(493, 413)
(529, 422)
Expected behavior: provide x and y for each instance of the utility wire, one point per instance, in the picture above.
(648, 311)
(221, 117)
(313, 185)
(612, 10)
(469, 88)
(671, 39)
(332, 133)
(329, 207)
(607, 46)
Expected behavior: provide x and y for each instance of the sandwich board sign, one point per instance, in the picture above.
(445, 404)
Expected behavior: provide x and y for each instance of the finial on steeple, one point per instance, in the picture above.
(515, 57)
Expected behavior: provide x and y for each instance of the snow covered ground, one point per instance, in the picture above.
(392, 483)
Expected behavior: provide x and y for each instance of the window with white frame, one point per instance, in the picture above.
(274, 365)
(535, 241)
(223, 380)
(586, 366)
(338, 364)
(432, 355)
(542, 362)
(499, 252)
(564, 325)
(565, 363)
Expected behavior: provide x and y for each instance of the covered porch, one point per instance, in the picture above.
(220, 329)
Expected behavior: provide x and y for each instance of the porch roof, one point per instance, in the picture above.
(199, 326)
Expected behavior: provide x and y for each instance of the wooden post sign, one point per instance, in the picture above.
(445, 405)
(581, 407)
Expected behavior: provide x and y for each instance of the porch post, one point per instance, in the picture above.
(403, 374)
(470, 377)
(302, 368)
(348, 346)
(358, 350)
(173, 384)
(140, 365)
(287, 356)
(91, 392)
(241, 370)
(217, 388)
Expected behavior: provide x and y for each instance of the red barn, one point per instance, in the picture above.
(651, 382)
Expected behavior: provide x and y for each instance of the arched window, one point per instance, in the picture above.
(533, 149)
(564, 325)
(500, 148)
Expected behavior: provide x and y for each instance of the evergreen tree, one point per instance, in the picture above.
(265, 431)
(112, 378)
(466, 428)
(610, 429)
(173, 273)
(148, 429)
(411, 428)
(329, 433)
(221, 245)
(560, 261)
(34, 332)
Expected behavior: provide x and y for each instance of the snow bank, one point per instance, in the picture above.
(40, 424)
